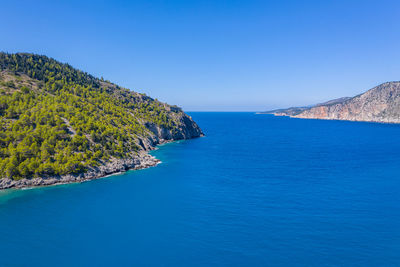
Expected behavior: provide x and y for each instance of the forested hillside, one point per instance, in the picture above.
(57, 120)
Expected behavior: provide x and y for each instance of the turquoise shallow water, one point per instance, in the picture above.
(258, 190)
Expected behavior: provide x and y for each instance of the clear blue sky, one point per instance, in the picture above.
(217, 55)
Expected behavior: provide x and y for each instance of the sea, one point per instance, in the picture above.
(257, 190)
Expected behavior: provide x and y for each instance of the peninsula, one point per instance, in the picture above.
(62, 125)
(379, 104)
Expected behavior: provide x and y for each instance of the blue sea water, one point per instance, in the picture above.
(258, 190)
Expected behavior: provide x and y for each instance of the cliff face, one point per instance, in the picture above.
(185, 128)
(379, 104)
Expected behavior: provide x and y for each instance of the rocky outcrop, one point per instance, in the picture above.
(138, 161)
(186, 128)
(379, 104)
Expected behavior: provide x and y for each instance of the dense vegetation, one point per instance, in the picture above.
(56, 120)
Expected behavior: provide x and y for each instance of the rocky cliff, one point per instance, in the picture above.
(379, 104)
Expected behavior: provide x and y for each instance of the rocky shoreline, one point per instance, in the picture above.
(382, 121)
(140, 161)
(134, 161)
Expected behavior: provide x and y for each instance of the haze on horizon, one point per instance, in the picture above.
(217, 55)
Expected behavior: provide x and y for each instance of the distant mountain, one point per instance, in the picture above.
(293, 111)
(59, 124)
(379, 104)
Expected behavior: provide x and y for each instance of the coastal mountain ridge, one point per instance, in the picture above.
(61, 125)
(379, 104)
(292, 111)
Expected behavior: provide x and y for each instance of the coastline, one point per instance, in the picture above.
(137, 161)
(330, 119)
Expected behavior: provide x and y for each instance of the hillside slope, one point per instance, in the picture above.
(379, 104)
(59, 124)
